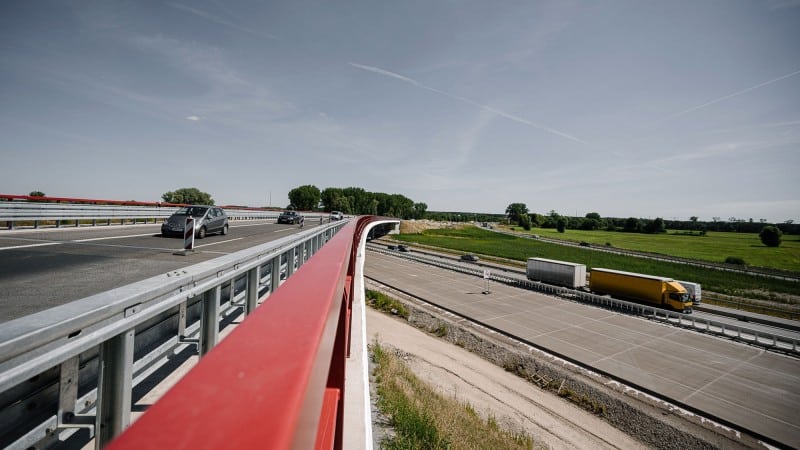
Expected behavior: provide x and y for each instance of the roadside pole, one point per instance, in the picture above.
(486, 276)
(188, 237)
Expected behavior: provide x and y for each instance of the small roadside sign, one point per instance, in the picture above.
(486, 274)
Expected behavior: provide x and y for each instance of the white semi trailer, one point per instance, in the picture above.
(562, 273)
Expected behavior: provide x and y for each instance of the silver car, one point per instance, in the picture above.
(207, 219)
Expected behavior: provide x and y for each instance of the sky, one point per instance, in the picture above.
(645, 109)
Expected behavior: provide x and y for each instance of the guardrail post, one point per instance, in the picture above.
(182, 321)
(275, 277)
(209, 326)
(290, 257)
(253, 277)
(114, 388)
(68, 391)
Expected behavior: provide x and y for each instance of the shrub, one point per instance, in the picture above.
(383, 303)
(735, 260)
(770, 236)
(525, 222)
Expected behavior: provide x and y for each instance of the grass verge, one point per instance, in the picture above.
(381, 302)
(422, 418)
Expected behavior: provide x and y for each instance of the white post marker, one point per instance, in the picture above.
(486, 276)
(188, 237)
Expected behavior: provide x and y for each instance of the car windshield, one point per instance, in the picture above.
(194, 211)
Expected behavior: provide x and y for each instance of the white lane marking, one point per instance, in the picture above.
(42, 244)
(281, 231)
(110, 237)
(31, 245)
(252, 224)
(215, 243)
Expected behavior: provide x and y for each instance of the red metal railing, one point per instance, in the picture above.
(277, 381)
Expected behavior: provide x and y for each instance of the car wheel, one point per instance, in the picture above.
(201, 233)
(225, 229)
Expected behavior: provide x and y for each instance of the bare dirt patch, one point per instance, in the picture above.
(418, 226)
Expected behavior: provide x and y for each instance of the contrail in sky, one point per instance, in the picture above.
(219, 20)
(466, 100)
(743, 91)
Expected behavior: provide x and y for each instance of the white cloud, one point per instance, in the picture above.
(193, 118)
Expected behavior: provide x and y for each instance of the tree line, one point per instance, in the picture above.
(770, 234)
(355, 201)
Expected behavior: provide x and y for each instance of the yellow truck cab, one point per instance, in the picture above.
(659, 291)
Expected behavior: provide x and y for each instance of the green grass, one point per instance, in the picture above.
(422, 418)
(713, 247)
(382, 302)
(476, 240)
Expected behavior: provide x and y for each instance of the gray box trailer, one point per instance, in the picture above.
(562, 273)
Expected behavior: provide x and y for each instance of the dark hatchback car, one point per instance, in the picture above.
(291, 217)
(207, 219)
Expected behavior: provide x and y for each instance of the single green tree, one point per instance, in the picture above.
(189, 196)
(515, 210)
(525, 222)
(561, 225)
(771, 236)
(632, 225)
(419, 210)
(655, 226)
(593, 215)
(305, 197)
(332, 200)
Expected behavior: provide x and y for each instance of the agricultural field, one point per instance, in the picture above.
(712, 247)
(475, 240)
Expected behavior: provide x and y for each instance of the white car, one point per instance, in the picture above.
(337, 215)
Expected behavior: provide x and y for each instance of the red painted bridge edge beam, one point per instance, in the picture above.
(277, 381)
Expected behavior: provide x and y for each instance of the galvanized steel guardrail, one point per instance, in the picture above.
(12, 213)
(74, 366)
(742, 334)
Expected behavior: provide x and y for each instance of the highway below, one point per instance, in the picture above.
(748, 387)
(40, 269)
(788, 329)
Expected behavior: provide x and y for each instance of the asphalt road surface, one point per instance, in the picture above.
(40, 269)
(747, 386)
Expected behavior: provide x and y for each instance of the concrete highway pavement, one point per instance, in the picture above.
(40, 269)
(752, 388)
